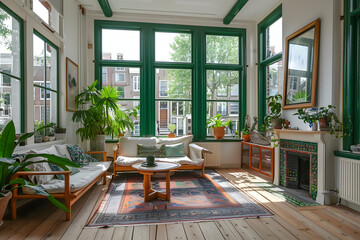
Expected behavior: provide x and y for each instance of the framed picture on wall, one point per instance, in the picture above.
(72, 84)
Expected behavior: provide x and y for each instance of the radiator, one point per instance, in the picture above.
(349, 188)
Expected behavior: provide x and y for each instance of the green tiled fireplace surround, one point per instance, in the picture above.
(300, 147)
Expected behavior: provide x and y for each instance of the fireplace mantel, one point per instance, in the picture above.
(325, 164)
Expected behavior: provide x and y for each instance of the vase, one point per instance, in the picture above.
(246, 137)
(3, 204)
(98, 143)
(276, 123)
(171, 135)
(219, 132)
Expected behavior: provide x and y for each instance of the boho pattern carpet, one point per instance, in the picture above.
(193, 198)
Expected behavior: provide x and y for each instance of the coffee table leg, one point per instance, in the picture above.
(147, 183)
(168, 186)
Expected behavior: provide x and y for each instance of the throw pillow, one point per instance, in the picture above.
(156, 151)
(184, 139)
(90, 158)
(77, 155)
(57, 168)
(174, 150)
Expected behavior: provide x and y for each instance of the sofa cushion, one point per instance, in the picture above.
(57, 168)
(77, 155)
(156, 151)
(78, 181)
(42, 167)
(175, 150)
(129, 161)
(184, 139)
(128, 145)
(62, 150)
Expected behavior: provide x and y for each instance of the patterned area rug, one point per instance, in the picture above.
(193, 198)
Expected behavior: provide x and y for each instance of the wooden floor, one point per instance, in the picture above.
(40, 220)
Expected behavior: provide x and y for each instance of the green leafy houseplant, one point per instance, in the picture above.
(307, 117)
(274, 111)
(9, 167)
(123, 120)
(218, 125)
(172, 127)
(331, 122)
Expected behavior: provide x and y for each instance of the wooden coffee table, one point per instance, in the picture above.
(149, 193)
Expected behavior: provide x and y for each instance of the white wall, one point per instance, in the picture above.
(297, 14)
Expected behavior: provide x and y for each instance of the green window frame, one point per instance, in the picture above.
(44, 87)
(351, 85)
(22, 67)
(198, 66)
(264, 61)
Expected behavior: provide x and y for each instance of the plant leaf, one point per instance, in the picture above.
(7, 140)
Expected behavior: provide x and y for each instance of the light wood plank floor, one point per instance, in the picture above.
(38, 219)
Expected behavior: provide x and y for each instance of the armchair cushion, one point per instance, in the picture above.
(78, 181)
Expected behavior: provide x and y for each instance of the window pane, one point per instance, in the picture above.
(175, 112)
(274, 38)
(9, 44)
(222, 85)
(45, 57)
(274, 79)
(172, 47)
(222, 49)
(120, 44)
(45, 106)
(10, 103)
(173, 83)
(124, 105)
(228, 110)
(41, 8)
(129, 80)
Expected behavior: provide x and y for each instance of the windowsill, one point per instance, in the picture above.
(37, 146)
(208, 139)
(347, 154)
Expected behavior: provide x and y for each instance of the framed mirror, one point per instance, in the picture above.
(301, 65)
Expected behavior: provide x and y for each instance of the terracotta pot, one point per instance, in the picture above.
(121, 135)
(322, 123)
(246, 137)
(3, 204)
(45, 139)
(171, 135)
(219, 132)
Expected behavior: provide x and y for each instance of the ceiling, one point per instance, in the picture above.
(254, 10)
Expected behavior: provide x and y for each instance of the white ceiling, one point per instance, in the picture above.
(254, 10)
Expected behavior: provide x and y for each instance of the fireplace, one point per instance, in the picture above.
(298, 170)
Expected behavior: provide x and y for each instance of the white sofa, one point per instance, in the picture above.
(125, 153)
(71, 188)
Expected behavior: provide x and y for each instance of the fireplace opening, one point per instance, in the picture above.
(298, 170)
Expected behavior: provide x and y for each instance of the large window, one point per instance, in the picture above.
(181, 86)
(45, 67)
(11, 69)
(270, 65)
(48, 13)
(351, 90)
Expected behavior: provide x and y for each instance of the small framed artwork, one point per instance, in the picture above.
(72, 84)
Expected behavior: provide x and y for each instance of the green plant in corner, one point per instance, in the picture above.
(9, 167)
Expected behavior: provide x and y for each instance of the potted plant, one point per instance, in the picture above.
(325, 115)
(245, 132)
(218, 125)
(123, 120)
(39, 132)
(273, 119)
(308, 117)
(96, 110)
(172, 128)
(59, 133)
(10, 167)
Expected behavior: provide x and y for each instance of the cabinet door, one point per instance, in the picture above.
(255, 157)
(245, 154)
(266, 155)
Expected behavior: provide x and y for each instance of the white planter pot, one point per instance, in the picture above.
(60, 136)
(98, 143)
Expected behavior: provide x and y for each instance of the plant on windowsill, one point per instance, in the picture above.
(245, 132)
(39, 132)
(59, 133)
(218, 125)
(307, 117)
(172, 128)
(10, 167)
(273, 120)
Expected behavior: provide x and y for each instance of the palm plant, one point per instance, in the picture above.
(123, 120)
(9, 167)
(97, 118)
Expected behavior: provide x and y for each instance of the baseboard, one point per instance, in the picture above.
(350, 205)
(231, 165)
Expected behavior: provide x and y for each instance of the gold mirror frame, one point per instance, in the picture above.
(316, 26)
